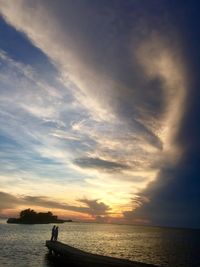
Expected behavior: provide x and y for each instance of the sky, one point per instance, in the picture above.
(99, 110)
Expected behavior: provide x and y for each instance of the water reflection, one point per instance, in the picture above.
(24, 245)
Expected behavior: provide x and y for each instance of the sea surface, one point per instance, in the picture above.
(24, 245)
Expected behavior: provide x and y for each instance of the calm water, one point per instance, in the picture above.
(23, 245)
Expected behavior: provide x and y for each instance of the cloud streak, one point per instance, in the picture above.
(98, 163)
(92, 208)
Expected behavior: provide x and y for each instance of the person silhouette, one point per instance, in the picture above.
(56, 234)
(53, 233)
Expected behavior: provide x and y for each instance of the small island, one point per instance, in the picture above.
(30, 216)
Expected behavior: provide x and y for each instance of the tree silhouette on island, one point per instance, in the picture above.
(29, 216)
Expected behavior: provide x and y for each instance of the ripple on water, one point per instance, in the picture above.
(23, 245)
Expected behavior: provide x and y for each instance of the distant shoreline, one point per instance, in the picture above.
(29, 216)
(18, 221)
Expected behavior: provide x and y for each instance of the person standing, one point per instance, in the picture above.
(53, 233)
(56, 234)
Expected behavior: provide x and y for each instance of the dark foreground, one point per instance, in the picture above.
(65, 255)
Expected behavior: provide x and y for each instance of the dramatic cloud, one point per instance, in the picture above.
(104, 110)
(173, 199)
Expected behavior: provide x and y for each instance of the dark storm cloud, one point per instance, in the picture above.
(174, 198)
(97, 163)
